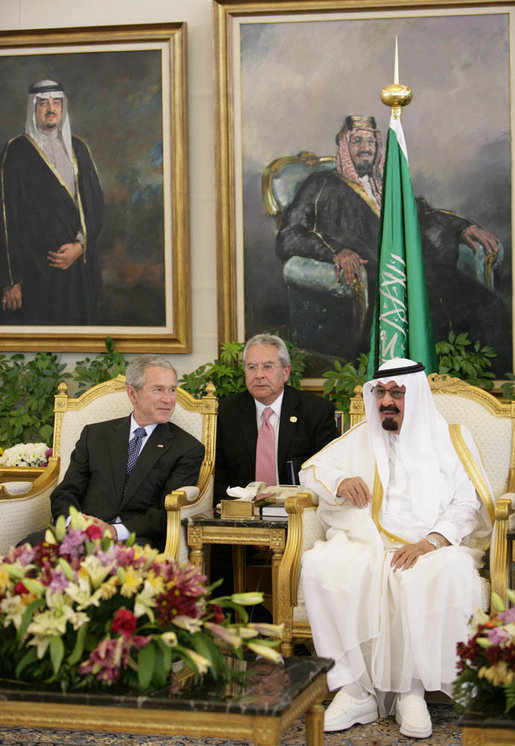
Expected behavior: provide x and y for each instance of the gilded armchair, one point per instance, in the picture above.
(492, 424)
(106, 401)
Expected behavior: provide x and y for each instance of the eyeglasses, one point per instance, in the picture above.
(267, 367)
(379, 393)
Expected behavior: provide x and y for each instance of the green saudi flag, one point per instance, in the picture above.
(401, 325)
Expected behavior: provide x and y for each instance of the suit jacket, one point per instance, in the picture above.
(94, 480)
(306, 425)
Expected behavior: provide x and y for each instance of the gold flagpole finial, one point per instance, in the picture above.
(396, 95)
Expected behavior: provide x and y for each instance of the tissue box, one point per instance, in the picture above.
(242, 510)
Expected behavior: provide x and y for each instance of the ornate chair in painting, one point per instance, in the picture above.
(492, 424)
(317, 302)
(105, 401)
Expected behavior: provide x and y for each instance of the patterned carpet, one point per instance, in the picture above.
(384, 732)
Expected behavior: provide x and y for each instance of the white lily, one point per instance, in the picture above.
(170, 639)
(97, 571)
(53, 621)
(265, 652)
(201, 663)
(41, 642)
(188, 623)
(478, 617)
(145, 601)
(13, 608)
(268, 630)
(226, 634)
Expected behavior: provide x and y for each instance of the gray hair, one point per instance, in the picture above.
(274, 341)
(136, 372)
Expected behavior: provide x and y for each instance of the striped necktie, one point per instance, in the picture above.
(265, 450)
(134, 449)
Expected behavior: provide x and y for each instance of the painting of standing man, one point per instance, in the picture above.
(52, 210)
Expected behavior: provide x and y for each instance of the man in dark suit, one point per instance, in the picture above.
(166, 457)
(303, 423)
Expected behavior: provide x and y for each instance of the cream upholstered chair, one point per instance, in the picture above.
(492, 424)
(107, 401)
(24, 506)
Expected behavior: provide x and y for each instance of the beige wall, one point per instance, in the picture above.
(197, 14)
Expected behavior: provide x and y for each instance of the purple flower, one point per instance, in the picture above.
(105, 660)
(498, 635)
(58, 580)
(24, 554)
(73, 543)
(508, 616)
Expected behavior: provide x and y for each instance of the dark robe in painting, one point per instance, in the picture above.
(330, 213)
(39, 215)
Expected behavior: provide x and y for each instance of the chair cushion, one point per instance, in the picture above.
(16, 488)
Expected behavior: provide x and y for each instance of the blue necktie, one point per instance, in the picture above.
(134, 449)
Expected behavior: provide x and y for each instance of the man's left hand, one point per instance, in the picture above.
(103, 526)
(65, 255)
(474, 235)
(406, 556)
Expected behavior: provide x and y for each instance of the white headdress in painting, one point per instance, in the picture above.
(48, 89)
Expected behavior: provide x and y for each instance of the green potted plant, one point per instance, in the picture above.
(471, 361)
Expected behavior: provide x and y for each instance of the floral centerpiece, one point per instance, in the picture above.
(486, 670)
(26, 454)
(83, 612)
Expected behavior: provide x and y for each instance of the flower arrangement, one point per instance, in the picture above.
(486, 669)
(26, 454)
(82, 611)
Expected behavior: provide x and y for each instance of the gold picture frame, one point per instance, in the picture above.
(133, 115)
(251, 137)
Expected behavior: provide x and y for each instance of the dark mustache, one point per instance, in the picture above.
(390, 408)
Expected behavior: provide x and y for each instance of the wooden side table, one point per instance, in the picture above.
(238, 534)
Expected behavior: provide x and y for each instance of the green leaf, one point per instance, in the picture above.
(30, 657)
(80, 641)
(56, 652)
(27, 617)
(165, 653)
(509, 690)
(146, 662)
(161, 670)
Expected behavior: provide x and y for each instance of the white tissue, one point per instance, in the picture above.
(242, 493)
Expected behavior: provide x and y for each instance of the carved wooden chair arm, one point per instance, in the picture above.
(504, 508)
(174, 502)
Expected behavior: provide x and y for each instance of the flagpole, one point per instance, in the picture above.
(396, 95)
(401, 324)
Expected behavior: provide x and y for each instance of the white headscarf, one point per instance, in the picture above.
(426, 454)
(48, 89)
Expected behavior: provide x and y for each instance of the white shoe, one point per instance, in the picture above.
(412, 716)
(345, 710)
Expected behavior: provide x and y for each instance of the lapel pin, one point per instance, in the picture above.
(160, 445)
(293, 419)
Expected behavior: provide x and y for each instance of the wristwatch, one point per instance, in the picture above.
(433, 541)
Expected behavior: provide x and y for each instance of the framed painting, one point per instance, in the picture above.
(292, 79)
(94, 227)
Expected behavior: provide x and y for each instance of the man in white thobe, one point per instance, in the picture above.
(390, 592)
